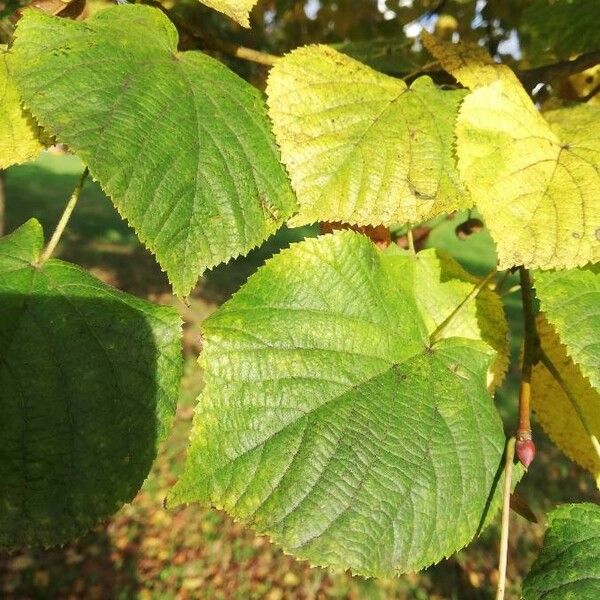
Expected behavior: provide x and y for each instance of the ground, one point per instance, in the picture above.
(146, 551)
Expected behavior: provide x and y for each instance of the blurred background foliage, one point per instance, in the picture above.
(147, 552)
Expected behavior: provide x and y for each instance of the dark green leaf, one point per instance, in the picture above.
(89, 379)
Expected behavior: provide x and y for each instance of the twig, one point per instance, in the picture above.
(503, 559)
(255, 55)
(531, 345)
(64, 219)
(547, 362)
(435, 336)
(531, 77)
(218, 45)
(528, 77)
(502, 281)
(424, 69)
(410, 239)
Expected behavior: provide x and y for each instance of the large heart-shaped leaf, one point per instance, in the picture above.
(89, 379)
(362, 147)
(331, 423)
(571, 302)
(179, 142)
(19, 134)
(568, 567)
(535, 180)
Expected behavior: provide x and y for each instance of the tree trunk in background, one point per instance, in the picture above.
(2, 199)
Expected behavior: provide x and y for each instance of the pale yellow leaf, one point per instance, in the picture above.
(535, 181)
(467, 62)
(362, 147)
(570, 427)
(538, 192)
(238, 10)
(19, 134)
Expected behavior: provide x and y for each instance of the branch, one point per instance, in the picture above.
(503, 559)
(531, 77)
(64, 219)
(531, 344)
(528, 77)
(211, 43)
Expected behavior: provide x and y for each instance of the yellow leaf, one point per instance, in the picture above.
(468, 63)
(362, 147)
(19, 133)
(535, 181)
(238, 10)
(570, 423)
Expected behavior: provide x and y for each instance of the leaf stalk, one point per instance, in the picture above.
(503, 559)
(64, 219)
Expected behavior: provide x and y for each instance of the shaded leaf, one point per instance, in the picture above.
(569, 422)
(362, 147)
(329, 422)
(89, 378)
(560, 29)
(179, 142)
(391, 55)
(568, 567)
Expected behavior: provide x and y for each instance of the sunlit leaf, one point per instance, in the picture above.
(178, 141)
(238, 10)
(329, 422)
(362, 147)
(19, 133)
(535, 181)
(571, 302)
(441, 285)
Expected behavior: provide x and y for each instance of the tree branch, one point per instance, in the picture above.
(531, 77)
(531, 344)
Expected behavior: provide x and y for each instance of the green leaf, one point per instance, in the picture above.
(568, 567)
(89, 379)
(560, 29)
(179, 142)
(535, 180)
(362, 147)
(571, 301)
(441, 284)
(392, 55)
(238, 10)
(19, 134)
(330, 423)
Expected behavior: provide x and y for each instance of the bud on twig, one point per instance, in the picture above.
(525, 448)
